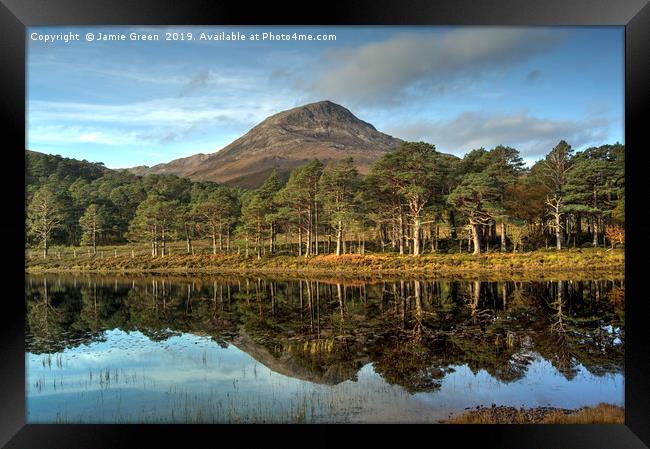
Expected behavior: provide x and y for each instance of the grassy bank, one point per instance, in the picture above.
(600, 414)
(592, 260)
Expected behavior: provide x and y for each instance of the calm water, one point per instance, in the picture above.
(217, 349)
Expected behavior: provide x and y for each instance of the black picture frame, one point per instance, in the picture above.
(16, 15)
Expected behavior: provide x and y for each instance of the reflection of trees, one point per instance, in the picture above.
(324, 331)
(573, 334)
(408, 352)
(52, 311)
(561, 355)
(412, 366)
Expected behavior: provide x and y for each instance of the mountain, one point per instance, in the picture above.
(288, 139)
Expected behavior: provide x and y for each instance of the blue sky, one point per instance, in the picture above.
(131, 103)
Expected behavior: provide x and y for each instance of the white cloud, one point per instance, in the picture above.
(382, 72)
(92, 137)
(532, 136)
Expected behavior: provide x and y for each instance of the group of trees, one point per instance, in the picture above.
(414, 199)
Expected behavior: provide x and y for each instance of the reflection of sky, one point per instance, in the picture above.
(191, 378)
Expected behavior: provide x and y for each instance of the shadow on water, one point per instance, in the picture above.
(230, 349)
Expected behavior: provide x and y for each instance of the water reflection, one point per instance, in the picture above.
(390, 351)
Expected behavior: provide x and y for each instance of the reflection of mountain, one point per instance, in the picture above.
(289, 365)
(411, 331)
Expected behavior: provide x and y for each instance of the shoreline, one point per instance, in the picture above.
(550, 275)
(544, 264)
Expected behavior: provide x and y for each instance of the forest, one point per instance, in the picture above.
(414, 200)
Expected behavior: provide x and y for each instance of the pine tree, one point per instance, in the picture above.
(44, 215)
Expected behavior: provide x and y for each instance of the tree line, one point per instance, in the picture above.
(413, 200)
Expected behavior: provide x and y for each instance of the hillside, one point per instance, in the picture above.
(40, 166)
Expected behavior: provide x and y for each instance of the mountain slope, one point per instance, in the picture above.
(322, 130)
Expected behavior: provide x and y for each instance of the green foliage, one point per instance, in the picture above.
(217, 211)
(415, 171)
(596, 181)
(40, 168)
(407, 197)
(476, 197)
(339, 187)
(93, 222)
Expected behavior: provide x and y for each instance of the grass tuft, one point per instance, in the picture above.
(600, 414)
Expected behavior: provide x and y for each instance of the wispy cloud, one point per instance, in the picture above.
(198, 81)
(158, 112)
(159, 121)
(65, 134)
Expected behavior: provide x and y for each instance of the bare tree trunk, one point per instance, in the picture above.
(188, 239)
(155, 240)
(153, 244)
(329, 240)
(162, 241)
(434, 238)
(258, 240)
(299, 240)
(401, 233)
(503, 236)
(416, 235)
(309, 232)
(214, 241)
(476, 237)
(316, 227)
(556, 204)
(595, 227)
(339, 237)
(476, 297)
